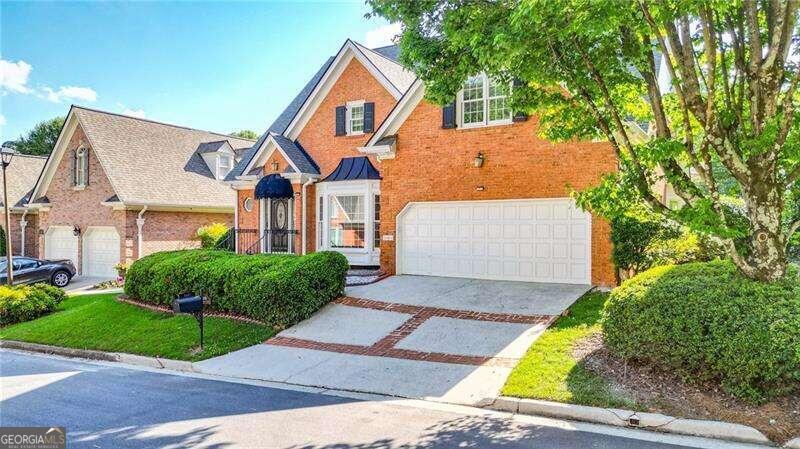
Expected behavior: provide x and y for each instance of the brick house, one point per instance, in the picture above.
(24, 223)
(116, 188)
(359, 162)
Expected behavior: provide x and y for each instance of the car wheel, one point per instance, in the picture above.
(60, 278)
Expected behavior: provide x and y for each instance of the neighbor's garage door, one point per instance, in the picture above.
(522, 240)
(61, 243)
(100, 252)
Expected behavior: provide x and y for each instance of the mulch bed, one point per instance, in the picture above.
(165, 309)
(659, 391)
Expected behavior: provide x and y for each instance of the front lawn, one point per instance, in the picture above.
(100, 322)
(550, 371)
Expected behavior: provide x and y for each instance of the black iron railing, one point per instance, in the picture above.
(246, 238)
(270, 241)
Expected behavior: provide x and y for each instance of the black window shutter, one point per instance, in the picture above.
(519, 116)
(341, 116)
(449, 115)
(369, 117)
(86, 167)
(74, 167)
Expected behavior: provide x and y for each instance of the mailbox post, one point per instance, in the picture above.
(191, 304)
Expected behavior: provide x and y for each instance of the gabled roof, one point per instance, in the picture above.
(381, 62)
(22, 174)
(211, 147)
(147, 162)
(353, 168)
(296, 155)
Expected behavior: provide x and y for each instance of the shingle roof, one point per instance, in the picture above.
(396, 73)
(297, 154)
(353, 168)
(22, 175)
(210, 147)
(282, 122)
(390, 51)
(174, 174)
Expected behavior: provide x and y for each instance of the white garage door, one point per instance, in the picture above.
(521, 240)
(100, 252)
(61, 243)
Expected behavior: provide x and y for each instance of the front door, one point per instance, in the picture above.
(279, 225)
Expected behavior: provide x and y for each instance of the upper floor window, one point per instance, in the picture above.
(355, 117)
(81, 168)
(224, 165)
(484, 101)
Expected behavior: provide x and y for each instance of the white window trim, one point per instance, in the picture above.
(486, 122)
(220, 174)
(347, 124)
(81, 167)
(369, 254)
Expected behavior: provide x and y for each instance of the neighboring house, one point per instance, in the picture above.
(24, 223)
(360, 163)
(116, 188)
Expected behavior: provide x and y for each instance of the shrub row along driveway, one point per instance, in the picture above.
(413, 336)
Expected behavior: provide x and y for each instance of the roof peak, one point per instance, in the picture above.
(141, 119)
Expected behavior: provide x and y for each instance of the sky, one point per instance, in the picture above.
(217, 66)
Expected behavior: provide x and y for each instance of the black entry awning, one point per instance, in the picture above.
(274, 186)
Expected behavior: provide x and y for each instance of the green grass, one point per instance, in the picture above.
(549, 371)
(100, 322)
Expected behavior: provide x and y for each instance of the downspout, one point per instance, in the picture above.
(22, 225)
(303, 214)
(139, 225)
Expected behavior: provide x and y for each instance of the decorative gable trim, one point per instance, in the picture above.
(398, 115)
(347, 53)
(54, 159)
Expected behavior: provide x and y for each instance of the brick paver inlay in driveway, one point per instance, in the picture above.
(388, 345)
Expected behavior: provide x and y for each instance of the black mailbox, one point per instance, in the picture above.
(188, 304)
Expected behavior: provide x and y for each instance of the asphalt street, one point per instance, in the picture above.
(110, 406)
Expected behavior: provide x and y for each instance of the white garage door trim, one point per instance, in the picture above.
(71, 253)
(87, 241)
(401, 240)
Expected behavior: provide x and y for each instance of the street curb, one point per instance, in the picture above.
(647, 421)
(121, 357)
(793, 443)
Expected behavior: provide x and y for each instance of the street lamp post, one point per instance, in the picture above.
(6, 154)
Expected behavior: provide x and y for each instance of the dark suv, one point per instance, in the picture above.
(28, 270)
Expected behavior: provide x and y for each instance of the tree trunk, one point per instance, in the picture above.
(766, 242)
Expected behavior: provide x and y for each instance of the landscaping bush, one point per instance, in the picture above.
(276, 289)
(210, 234)
(708, 322)
(26, 302)
(643, 240)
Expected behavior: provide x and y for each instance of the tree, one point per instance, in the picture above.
(245, 134)
(588, 67)
(42, 138)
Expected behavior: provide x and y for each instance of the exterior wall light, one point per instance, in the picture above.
(274, 165)
(76, 231)
(478, 162)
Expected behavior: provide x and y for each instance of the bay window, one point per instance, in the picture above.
(346, 223)
(348, 219)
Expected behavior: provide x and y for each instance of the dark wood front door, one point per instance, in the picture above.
(279, 225)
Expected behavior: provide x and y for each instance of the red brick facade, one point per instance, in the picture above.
(31, 233)
(435, 164)
(82, 207)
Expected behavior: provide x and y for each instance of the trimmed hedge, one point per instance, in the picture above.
(27, 302)
(276, 289)
(707, 322)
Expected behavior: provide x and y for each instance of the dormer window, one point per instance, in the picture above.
(355, 117)
(483, 101)
(81, 168)
(224, 165)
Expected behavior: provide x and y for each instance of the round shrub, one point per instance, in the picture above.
(211, 233)
(27, 302)
(706, 321)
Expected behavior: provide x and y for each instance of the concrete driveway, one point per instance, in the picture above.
(448, 339)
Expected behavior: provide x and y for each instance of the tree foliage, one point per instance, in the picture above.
(245, 134)
(41, 139)
(724, 127)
